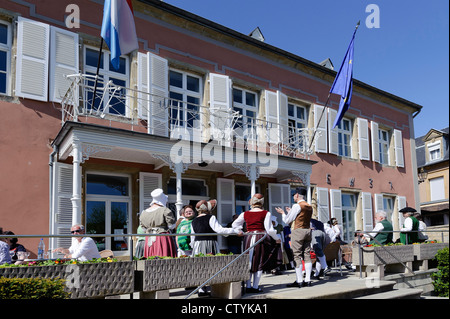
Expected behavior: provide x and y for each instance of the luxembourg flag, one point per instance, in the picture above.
(118, 29)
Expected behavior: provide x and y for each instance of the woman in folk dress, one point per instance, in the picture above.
(265, 256)
(158, 219)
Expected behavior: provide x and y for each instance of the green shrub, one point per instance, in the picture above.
(32, 288)
(440, 278)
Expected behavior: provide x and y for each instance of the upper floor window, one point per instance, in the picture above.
(117, 98)
(185, 98)
(296, 121)
(434, 150)
(5, 53)
(345, 137)
(437, 189)
(245, 103)
(383, 138)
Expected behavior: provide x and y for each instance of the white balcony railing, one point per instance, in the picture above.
(118, 106)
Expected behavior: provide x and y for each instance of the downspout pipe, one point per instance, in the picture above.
(51, 165)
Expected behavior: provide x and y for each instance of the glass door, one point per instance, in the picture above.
(348, 216)
(108, 206)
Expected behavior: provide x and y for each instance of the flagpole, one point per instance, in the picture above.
(320, 119)
(326, 103)
(98, 68)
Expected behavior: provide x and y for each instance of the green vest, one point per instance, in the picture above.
(184, 228)
(413, 237)
(383, 238)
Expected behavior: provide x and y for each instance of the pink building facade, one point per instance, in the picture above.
(199, 110)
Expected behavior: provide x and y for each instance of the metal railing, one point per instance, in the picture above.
(368, 233)
(170, 117)
(151, 235)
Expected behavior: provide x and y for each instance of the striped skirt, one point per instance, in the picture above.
(266, 255)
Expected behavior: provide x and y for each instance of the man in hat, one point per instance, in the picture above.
(409, 231)
(300, 216)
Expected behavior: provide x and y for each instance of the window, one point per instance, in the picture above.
(296, 121)
(190, 187)
(348, 216)
(193, 190)
(383, 138)
(388, 207)
(5, 53)
(437, 188)
(434, 150)
(117, 99)
(242, 196)
(108, 206)
(345, 137)
(185, 94)
(245, 103)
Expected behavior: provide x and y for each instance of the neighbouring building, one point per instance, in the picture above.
(200, 110)
(432, 165)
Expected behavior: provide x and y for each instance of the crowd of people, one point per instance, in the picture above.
(294, 246)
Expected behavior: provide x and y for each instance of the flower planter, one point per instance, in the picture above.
(162, 274)
(380, 255)
(83, 280)
(427, 251)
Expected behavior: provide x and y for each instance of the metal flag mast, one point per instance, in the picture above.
(329, 95)
(96, 74)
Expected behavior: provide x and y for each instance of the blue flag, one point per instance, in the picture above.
(343, 83)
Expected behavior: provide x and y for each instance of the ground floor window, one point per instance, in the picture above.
(388, 207)
(243, 192)
(108, 206)
(348, 216)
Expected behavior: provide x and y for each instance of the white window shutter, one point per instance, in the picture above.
(323, 206)
(225, 205)
(398, 145)
(321, 134)
(33, 39)
(375, 142)
(379, 205)
(336, 204)
(401, 203)
(332, 133)
(143, 104)
(220, 105)
(363, 139)
(147, 183)
(279, 196)
(283, 117)
(271, 99)
(158, 82)
(61, 212)
(64, 61)
(367, 211)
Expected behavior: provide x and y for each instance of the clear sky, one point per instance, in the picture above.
(408, 55)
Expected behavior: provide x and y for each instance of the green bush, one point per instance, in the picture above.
(440, 278)
(32, 288)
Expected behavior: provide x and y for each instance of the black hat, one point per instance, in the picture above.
(301, 191)
(407, 210)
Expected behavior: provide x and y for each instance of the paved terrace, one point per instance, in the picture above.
(332, 286)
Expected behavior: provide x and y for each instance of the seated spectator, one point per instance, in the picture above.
(83, 249)
(14, 247)
(5, 257)
(382, 224)
(422, 227)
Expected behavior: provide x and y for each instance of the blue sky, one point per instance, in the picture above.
(408, 55)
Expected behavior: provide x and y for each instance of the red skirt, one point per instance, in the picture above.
(162, 246)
